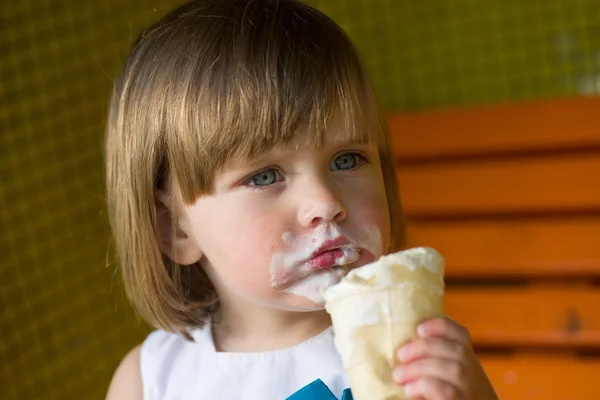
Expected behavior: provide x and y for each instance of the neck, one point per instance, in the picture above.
(252, 327)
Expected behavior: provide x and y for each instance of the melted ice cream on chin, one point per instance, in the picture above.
(313, 286)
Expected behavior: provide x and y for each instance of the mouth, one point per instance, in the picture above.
(330, 254)
(338, 252)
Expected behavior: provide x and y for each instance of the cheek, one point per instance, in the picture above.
(238, 243)
(371, 208)
(254, 238)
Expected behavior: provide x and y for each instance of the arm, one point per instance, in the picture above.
(126, 383)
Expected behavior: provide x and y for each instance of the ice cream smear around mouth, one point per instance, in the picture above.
(313, 262)
(313, 286)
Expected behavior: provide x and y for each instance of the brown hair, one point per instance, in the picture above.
(214, 80)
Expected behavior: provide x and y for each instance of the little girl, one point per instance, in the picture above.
(249, 167)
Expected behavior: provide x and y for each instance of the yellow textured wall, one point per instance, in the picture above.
(63, 322)
(437, 53)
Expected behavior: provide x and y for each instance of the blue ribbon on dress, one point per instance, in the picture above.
(318, 390)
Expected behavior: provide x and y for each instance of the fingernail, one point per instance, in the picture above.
(421, 330)
(398, 374)
(410, 389)
(404, 353)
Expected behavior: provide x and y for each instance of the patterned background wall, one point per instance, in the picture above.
(64, 324)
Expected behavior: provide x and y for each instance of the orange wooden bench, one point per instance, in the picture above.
(510, 195)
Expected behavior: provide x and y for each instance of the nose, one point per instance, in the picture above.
(320, 204)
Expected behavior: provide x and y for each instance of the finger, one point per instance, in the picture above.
(432, 347)
(444, 327)
(428, 388)
(451, 372)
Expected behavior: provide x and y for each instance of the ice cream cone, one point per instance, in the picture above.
(376, 309)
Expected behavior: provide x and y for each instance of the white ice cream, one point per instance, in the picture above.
(387, 273)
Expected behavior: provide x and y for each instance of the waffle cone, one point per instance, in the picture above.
(371, 324)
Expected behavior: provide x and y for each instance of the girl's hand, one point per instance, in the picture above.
(441, 365)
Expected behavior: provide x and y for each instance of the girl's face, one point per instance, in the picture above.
(284, 226)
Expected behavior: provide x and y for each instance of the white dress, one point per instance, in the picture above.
(173, 368)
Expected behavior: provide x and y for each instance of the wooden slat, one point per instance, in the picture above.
(567, 182)
(559, 316)
(538, 377)
(508, 128)
(518, 247)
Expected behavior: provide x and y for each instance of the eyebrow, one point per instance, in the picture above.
(237, 166)
(277, 152)
(341, 141)
(352, 141)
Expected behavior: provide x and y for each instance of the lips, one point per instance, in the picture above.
(324, 260)
(333, 252)
(327, 255)
(332, 244)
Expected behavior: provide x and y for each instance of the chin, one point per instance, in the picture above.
(301, 304)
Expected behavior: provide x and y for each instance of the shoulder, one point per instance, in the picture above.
(159, 349)
(142, 366)
(126, 382)
(154, 367)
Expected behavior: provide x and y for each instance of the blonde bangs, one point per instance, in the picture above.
(253, 87)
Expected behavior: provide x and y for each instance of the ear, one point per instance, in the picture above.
(175, 238)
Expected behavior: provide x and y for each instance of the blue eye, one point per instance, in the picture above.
(345, 162)
(264, 178)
